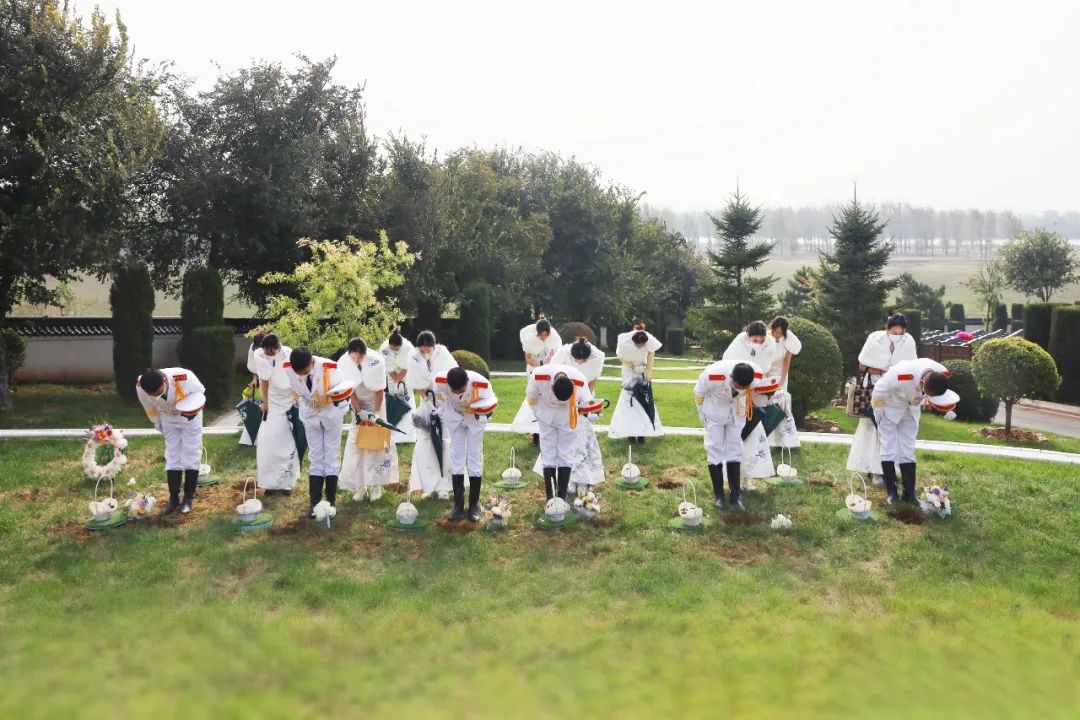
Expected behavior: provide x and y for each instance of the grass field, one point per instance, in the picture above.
(977, 616)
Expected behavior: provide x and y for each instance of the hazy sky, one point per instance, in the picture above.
(953, 104)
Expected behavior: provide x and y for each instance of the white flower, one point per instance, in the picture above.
(780, 522)
(951, 415)
(131, 482)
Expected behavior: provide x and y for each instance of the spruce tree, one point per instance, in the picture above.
(735, 296)
(852, 289)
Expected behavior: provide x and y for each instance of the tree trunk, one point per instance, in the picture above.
(1008, 416)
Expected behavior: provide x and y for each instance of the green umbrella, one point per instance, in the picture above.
(773, 416)
(251, 415)
(298, 433)
(642, 392)
(436, 432)
(397, 407)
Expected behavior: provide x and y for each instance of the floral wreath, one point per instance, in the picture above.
(104, 435)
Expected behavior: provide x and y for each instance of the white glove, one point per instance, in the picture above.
(371, 417)
(951, 415)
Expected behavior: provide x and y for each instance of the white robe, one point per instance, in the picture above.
(756, 456)
(396, 361)
(361, 469)
(880, 351)
(425, 475)
(629, 420)
(786, 434)
(276, 458)
(541, 352)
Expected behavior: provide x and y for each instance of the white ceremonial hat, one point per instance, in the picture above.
(191, 403)
(342, 391)
(946, 401)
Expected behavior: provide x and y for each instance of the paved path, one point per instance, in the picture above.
(804, 437)
(1044, 416)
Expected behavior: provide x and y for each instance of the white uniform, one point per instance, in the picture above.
(881, 350)
(756, 454)
(183, 436)
(629, 420)
(276, 457)
(540, 352)
(425, 474)
(323, 420)
(362, 468)
(786, 435)
(587, 463)
(723, 411)
(561, 428)
(897, 403)
(397, 360)
(464, 416)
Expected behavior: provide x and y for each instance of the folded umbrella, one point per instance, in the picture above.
(642, 392)
(298, 432)
(251, 415)
(436, 432)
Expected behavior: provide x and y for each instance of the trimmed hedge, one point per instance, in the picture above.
(472, 361)
(131, 299)
(475, 326)
(676, 341)
(211, 353)
(1001, 317)
(973, 405)
(570, 331)
(14, 351)
(1065, 349)
(1037, 319)
(914, 324)
(1017, 311)
(956, 312)
(816, 372)
(202, 304)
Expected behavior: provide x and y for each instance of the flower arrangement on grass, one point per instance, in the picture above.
(324, 512)
(406, 513)
(587, 505)
(104, 436)
(935, 499)
(139, 505)
(497, 512)
(780, 523)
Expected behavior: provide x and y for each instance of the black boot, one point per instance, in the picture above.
(173, 477)
(331, 489)
(563, 474)
(191, 481)
(458, 511)
(907, 479)
(888, 472)
(641, 440)
(314, 488)
(549, 482)
(733, 470)
(535, 441)
(716, 474)
(474, 499)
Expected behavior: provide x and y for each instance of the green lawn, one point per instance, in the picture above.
(974, 617)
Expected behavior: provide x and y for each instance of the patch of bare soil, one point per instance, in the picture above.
(907, 514)
(740, 518)
(1014, 435)
(288, 528)
(462, 527)
(813, 423)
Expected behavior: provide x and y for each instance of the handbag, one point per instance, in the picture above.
(372, 437)
(859, 391)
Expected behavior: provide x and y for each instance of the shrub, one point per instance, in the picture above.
(956, 313)
(505, 341)
(14, 351)
(973, 405)
(816, 372)
(954, 326)
(202, 304)
(472, 361)
(1014, 368)
(131, 299)
(914, 324)
(1001, 317)
(1017, 311)
(1037, 319)
(1065, 349)
(212, 353)
(573, 330)
(475, 325)
(676, 341)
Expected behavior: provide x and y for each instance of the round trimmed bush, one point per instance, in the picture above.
(472, 361)
(973, 405)
(1065, 349)
(572, 330)
(956, 313)
(1012, 368)
(816, 372)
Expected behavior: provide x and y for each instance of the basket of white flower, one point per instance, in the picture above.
(248, 510)
(781, 523)
(205, 479)
(689, 512)
(935, 501)
(631, 478)
(102, 510)
(858, 506)
(556, 512)
(406, 513)
(587, 505)
(511, 476)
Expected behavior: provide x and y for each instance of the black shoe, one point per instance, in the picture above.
(286, 493)
(907, 479)
(331, 488)
(716, 474)
(474, 499)
(641, 441)
(888, 472)
(535, 440)
(550, 483)
(563, 475)
(191, 482)
(733, 470)
(315, 486)
(737, 505)
(173, 477)
(458, 511)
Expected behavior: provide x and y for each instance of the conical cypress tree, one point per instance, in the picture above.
(852, 288)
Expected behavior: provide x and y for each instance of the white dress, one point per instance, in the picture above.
(276, 460)
(881, 350)
(756, 456)
(629, 420)
(425, 474)
(253, 358)
(786, 435)
(587, 464)
(541, 352)
(360, 468)
(395, 362)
